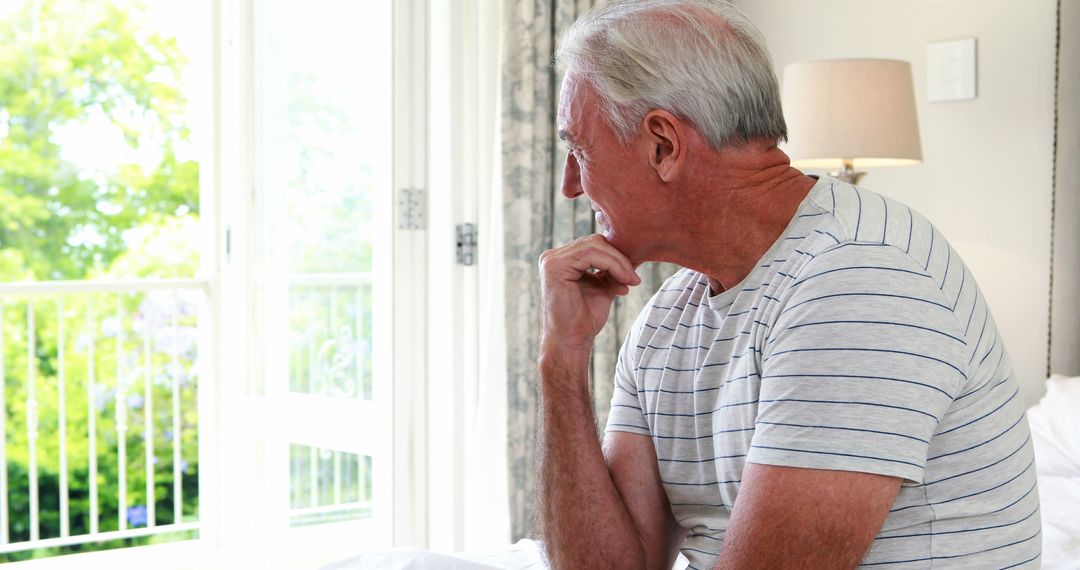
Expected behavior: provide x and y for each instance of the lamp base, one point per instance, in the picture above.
(848, 175)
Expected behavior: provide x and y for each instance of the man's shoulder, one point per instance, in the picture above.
(854, 214)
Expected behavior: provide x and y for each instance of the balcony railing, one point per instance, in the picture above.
(99, 440)
(100, 391)
(330, 355)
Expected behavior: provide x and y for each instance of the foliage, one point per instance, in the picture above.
(329, 186)
(66, 64)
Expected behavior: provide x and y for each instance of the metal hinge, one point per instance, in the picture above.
(412, 209)
(466, 244)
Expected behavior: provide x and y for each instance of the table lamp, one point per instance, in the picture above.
(848, 114)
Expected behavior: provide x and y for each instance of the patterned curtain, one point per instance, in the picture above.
(536, 217)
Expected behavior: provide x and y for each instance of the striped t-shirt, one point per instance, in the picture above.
(860, 342)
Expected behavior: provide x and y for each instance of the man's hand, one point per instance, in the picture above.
(594, 513)
(578, 283)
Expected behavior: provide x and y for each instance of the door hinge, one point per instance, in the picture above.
(466, 244)
(412, 209)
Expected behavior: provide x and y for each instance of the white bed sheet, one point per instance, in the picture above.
(524, 555)
(1055, 432)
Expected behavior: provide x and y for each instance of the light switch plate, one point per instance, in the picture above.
(950, 70)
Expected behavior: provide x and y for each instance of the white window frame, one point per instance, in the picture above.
(254, 456)
(410, 308)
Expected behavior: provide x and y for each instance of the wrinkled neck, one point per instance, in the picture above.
(733, 208)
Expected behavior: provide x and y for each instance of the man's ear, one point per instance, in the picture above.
(664, 142)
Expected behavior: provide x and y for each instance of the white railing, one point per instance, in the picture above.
(163, 311)
(328, 499)
(330, 332)
(120, 338)
(328, 359)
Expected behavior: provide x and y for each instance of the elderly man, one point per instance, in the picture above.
(821, 386)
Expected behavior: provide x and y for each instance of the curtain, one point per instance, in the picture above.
(538, 217)
(1065, 272)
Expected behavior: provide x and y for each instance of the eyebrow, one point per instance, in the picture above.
(565, 136)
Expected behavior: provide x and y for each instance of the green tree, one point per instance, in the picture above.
(66, 63)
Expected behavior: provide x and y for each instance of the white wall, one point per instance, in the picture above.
(986, 177)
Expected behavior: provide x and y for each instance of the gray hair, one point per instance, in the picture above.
(702, 60)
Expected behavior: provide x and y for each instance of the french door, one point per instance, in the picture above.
(336, 241)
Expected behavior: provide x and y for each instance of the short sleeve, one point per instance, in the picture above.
(625, 414)
(862, 361)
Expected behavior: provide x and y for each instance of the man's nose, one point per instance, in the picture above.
(571, 178)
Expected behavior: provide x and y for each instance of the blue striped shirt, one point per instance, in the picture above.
(860, 342)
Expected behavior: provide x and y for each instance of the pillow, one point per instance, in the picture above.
(1060, 510)
(1055, 434)
(1055, 428)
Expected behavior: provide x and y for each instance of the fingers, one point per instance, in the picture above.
(615, 286)
(583, 255)
(578, 283)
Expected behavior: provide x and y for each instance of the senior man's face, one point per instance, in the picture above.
(608, 173)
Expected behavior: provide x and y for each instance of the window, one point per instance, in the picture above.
(101, 309)
(323, 170)
(214, 287)
(325, 259)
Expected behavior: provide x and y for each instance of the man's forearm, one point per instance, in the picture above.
(584, 521)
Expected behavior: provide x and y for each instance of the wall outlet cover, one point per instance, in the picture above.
(950, 70)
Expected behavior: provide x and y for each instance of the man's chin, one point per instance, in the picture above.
(620, 244)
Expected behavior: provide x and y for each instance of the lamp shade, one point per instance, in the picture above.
(857, 110)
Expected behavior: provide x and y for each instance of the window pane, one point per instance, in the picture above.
(99, 181)
(328, 485)
(323, 126)
(336, 105)
(336, 80)
(330, 326)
